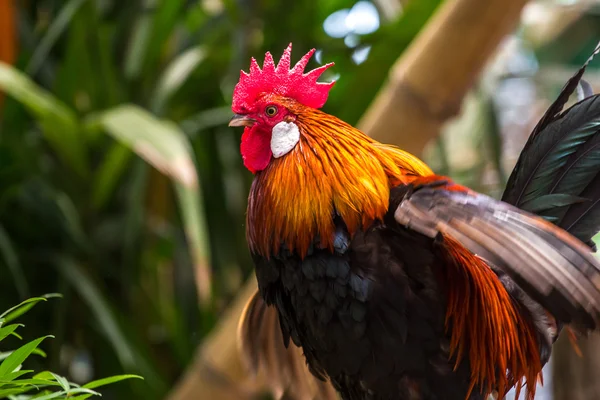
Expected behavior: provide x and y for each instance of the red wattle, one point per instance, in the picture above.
(256, 149)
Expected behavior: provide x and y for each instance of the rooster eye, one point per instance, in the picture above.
(271, 111)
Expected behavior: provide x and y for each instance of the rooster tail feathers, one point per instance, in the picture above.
(557, 175)
(263, 352)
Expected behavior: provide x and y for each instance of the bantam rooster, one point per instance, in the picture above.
(399, 284)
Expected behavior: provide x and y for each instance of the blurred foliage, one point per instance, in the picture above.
(121, 185)
(45, 385)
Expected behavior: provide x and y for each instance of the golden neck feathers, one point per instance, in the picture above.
(334, 170)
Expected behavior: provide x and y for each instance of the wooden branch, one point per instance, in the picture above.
(427, 84)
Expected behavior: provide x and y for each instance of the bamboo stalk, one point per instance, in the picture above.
(425, 89)
(427, 84)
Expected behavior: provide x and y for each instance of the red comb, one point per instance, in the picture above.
(281, 80)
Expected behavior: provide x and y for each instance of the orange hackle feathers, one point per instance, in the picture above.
(335, 168)
(487, 327)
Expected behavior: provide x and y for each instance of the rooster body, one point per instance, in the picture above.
(396, 283)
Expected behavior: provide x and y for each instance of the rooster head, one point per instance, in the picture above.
(267, 103)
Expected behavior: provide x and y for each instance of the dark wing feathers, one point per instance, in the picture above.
(556, 175)
(556, 136)
(549, 157)
(555, 268)
(583, 220)
(263, 351)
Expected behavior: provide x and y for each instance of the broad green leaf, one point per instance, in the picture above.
(18, 356)
(58, 122)
(165, 146)
(110, 380)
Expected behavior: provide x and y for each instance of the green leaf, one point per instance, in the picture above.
(138, 45)
(36, 382)
(18, 356)
(12, 391)
(49, 396)
(56, 28)
(58, 122)
(25, 306)
(110, 380)
(8, 330)
(164, 146)
(63, 382)
(44, 375)
(14, 375)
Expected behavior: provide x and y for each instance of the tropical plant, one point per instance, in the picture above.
(18, 384)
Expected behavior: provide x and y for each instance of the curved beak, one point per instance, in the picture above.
(241, 120)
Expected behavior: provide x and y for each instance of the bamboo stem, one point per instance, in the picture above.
(427, 84)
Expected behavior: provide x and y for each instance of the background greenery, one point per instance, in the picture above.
(121, 185)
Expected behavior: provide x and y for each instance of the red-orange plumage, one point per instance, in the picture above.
(369, 257)
(487, 327)
(335, 166)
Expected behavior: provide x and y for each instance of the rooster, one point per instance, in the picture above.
(399, 284)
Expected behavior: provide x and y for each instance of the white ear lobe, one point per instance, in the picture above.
(284, 137)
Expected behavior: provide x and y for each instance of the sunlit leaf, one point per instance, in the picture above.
(165, 146)
(110, 380)
(18, 356)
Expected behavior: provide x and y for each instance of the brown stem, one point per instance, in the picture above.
(427, 84)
